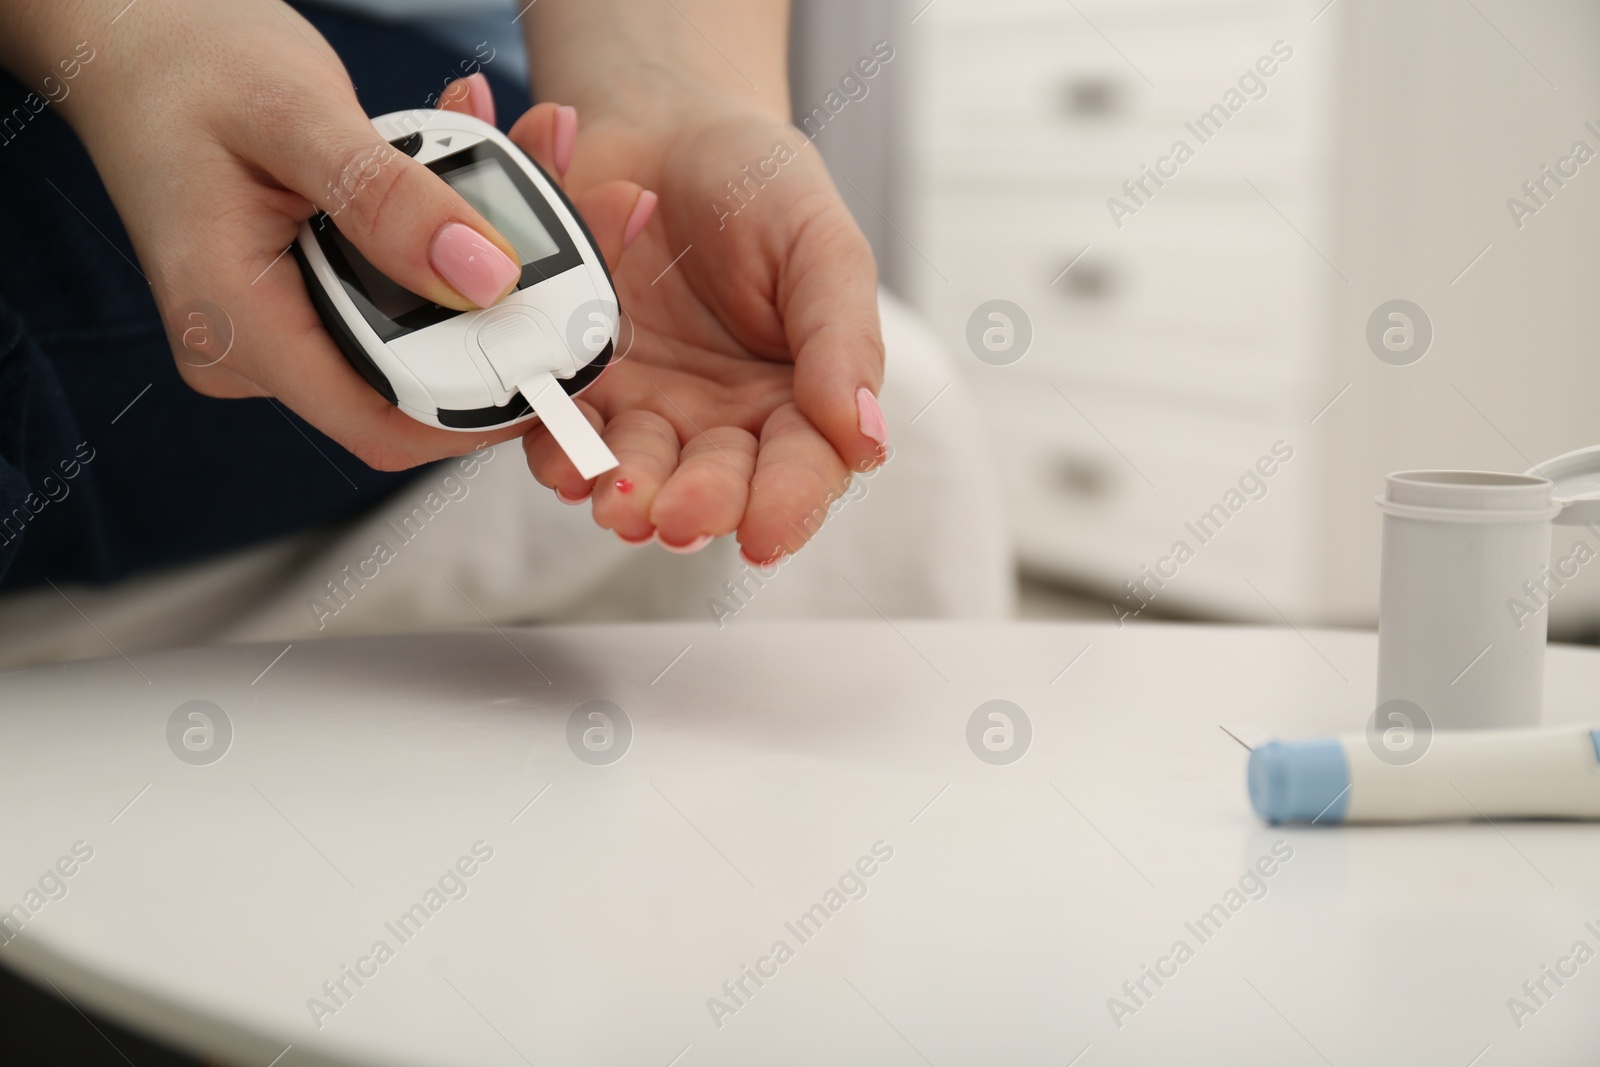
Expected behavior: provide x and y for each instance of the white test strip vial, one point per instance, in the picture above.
(1458, 547)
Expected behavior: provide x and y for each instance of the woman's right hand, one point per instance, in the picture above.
(218, 128)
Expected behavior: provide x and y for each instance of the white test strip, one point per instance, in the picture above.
(579, 440)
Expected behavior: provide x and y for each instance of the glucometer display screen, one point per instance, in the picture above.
(503, 195)
(486, 186)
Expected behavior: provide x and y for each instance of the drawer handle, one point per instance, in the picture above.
(1088, 280)
(1091, 98)
(1081, 477)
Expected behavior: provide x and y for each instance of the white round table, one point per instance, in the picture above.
(410, 852)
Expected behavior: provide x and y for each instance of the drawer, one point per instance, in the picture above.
(1103, 486)
(1217, 296)
(960, 16)
(1057, 98)
(1166, 371)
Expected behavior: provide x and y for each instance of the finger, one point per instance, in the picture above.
(707, 495)
(798, 476)
(404, 218)
(548, 132)
(831, 318)
(469, 96)
(615, 213)
(550, 465)
(646, 447)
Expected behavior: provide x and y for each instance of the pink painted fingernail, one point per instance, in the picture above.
(479, 98)
(566, 135)
(643, 208)
(871, 416)
(758, 563)
(693, 546)
(471, 264)
(651, 536)
(573, 501)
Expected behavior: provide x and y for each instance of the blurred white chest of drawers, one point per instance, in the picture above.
(1192, 205)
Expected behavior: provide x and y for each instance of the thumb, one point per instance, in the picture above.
(404, 218)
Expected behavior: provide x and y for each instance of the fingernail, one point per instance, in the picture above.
(573, 501)
(643, 208)
(566, 136)
(758, 563)
(871, 416)
(693, 546)
(472, 266)
(645, 540)
(479, 98)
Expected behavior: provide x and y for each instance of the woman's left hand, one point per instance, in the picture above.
(747, 396)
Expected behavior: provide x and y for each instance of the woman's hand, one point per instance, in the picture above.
(747, 396)
(218, 128)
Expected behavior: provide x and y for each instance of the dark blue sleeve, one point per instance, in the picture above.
(109, 464)
(42, 456)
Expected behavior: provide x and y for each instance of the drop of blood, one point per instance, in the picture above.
(624, 485)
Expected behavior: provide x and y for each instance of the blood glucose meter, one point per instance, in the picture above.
(526, 356)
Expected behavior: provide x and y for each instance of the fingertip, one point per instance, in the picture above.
(564, 137)
(770, 561)
(534, 133)
(457, 97)
(572, 501)
(551, 467)
(688, 549)
(472, 264)
(469, 96)
(870, 420)
(480, 98)
(611, 211)
(766, 539)
(799, 480)
(643, 209)
(838, 375)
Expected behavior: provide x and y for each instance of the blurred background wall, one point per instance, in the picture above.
(1179, 321)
